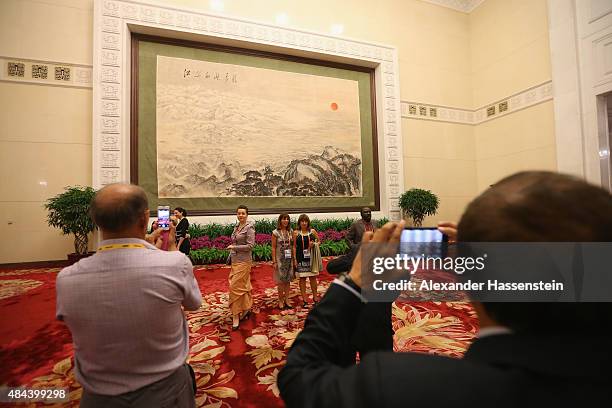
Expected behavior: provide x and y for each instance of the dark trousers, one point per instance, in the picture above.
(176, 390)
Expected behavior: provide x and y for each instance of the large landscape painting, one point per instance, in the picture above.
(226, 130)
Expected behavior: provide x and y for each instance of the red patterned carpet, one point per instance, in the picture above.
(233, 369)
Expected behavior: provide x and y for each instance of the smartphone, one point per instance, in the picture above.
(410, 234)
(163, 217)
(420, 242)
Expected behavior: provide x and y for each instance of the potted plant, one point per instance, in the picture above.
(69, 211)
(417, 204)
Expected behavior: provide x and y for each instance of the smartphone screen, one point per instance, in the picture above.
(163, 217)
(419, 242)
(422, 235)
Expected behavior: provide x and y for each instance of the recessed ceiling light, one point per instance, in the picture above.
(337, 29)
(217, 5)
(282, 19)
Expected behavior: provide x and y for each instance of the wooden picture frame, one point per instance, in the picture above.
(142, 137)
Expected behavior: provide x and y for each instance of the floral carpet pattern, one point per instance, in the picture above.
(233, 368)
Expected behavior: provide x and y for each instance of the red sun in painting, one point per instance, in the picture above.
(334, 106)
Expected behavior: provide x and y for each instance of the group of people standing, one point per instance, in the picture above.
(295, 254)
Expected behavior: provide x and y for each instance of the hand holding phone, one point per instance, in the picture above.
(163, 217)
(423, 241)
(422, 235)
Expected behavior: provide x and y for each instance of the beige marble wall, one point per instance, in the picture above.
(510, 52)
(524, 140)
(45, 131)
(446, 57)
(434, 54)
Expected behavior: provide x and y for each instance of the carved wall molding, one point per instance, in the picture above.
(521, 100)
(45, 72)
(115, 20)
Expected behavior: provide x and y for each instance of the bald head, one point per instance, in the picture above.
(120, 207)
(539, 206)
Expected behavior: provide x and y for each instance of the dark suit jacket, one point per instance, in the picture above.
(498, 371)
(373, 331)
(357, 229)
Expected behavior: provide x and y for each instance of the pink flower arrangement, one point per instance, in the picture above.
(204, 241)
(201, 242)
(332, 235)
(222, 242)
(262, 239)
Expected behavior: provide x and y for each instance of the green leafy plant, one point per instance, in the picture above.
(334, 248)
(262, 252)
(69, 211)
(208, 256)
(418, 203)
(196, 230)
(212, 230)
(265, 226)
(335, 224)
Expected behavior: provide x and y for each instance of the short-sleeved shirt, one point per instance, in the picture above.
(123, 308)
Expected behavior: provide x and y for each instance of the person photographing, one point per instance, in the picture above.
(124, 308)
(523, 356)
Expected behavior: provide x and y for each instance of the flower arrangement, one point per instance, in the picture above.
(262, 239)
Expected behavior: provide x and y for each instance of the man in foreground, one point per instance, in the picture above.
(123, 306)
(527, 355)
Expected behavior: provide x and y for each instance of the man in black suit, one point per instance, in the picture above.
(527, 355)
